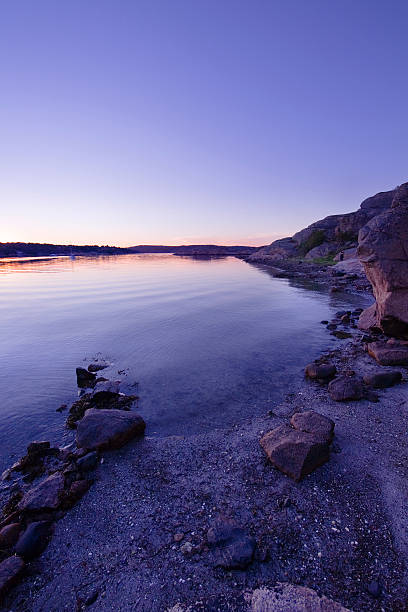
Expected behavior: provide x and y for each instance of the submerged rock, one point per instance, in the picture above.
(295, 453)
(233, 548)
(346, 388)
(10, 570)
(96, 367)
(104, 429)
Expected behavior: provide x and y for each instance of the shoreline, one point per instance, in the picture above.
(132, 558)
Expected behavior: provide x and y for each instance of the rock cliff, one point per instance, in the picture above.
(327, 237)
(383, 250)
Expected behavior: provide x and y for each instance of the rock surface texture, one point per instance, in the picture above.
(284, 597)
(106, 429)
(383, 250)
(45, 496)
(297, 453)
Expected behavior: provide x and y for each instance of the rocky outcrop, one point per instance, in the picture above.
(331, 235)
(383, 250)
(107, 429)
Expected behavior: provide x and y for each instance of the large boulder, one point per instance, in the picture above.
(45, 496)
(285, 597)
(105, 429)
(295, 453)
(278, 250)
(383, 250)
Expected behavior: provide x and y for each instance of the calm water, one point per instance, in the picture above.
(208, 341)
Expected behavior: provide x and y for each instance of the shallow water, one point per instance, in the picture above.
(208, 341)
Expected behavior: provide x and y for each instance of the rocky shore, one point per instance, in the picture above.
(301, 509)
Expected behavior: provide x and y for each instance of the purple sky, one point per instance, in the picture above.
(176, 121)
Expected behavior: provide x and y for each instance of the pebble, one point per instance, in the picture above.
(178, 537)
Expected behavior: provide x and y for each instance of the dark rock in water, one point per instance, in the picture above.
(345, 388)
(96, 367)
(88, 462)
(366, 339)
(324, 322)
(314, 423)
(345, 319)
(382, 380)
(104, 429)
(45, 496)
(331, 326)
(105, 397)
(34, 540)
(341, 313)
(341, 335)
(389, 353)
(38, 448)
(357, 311)
(233, 547)
(85, 378)
(295, 453)
(10, 570)
(320, 372)
(9, 535)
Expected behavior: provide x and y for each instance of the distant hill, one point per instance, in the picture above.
(37, 249)
(194, 249)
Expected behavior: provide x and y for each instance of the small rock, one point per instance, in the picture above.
(76, 491)
(331, 326)
(45, 496)
(341, 335)
(286, 597)
(233, 547)
(345, 388)
(10, 570)
(85, 378)
(178, 537)
(389, 353)
(9, 535)
(96, 367)
(38, 447)
(320, 372)
(91, 599)
(34, 540)
(88, 462)
(187, 548)
(324, 322)
(374, 588)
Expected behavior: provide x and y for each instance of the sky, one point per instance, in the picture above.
(196, 121)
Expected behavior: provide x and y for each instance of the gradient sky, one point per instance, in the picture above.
(185, 121)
